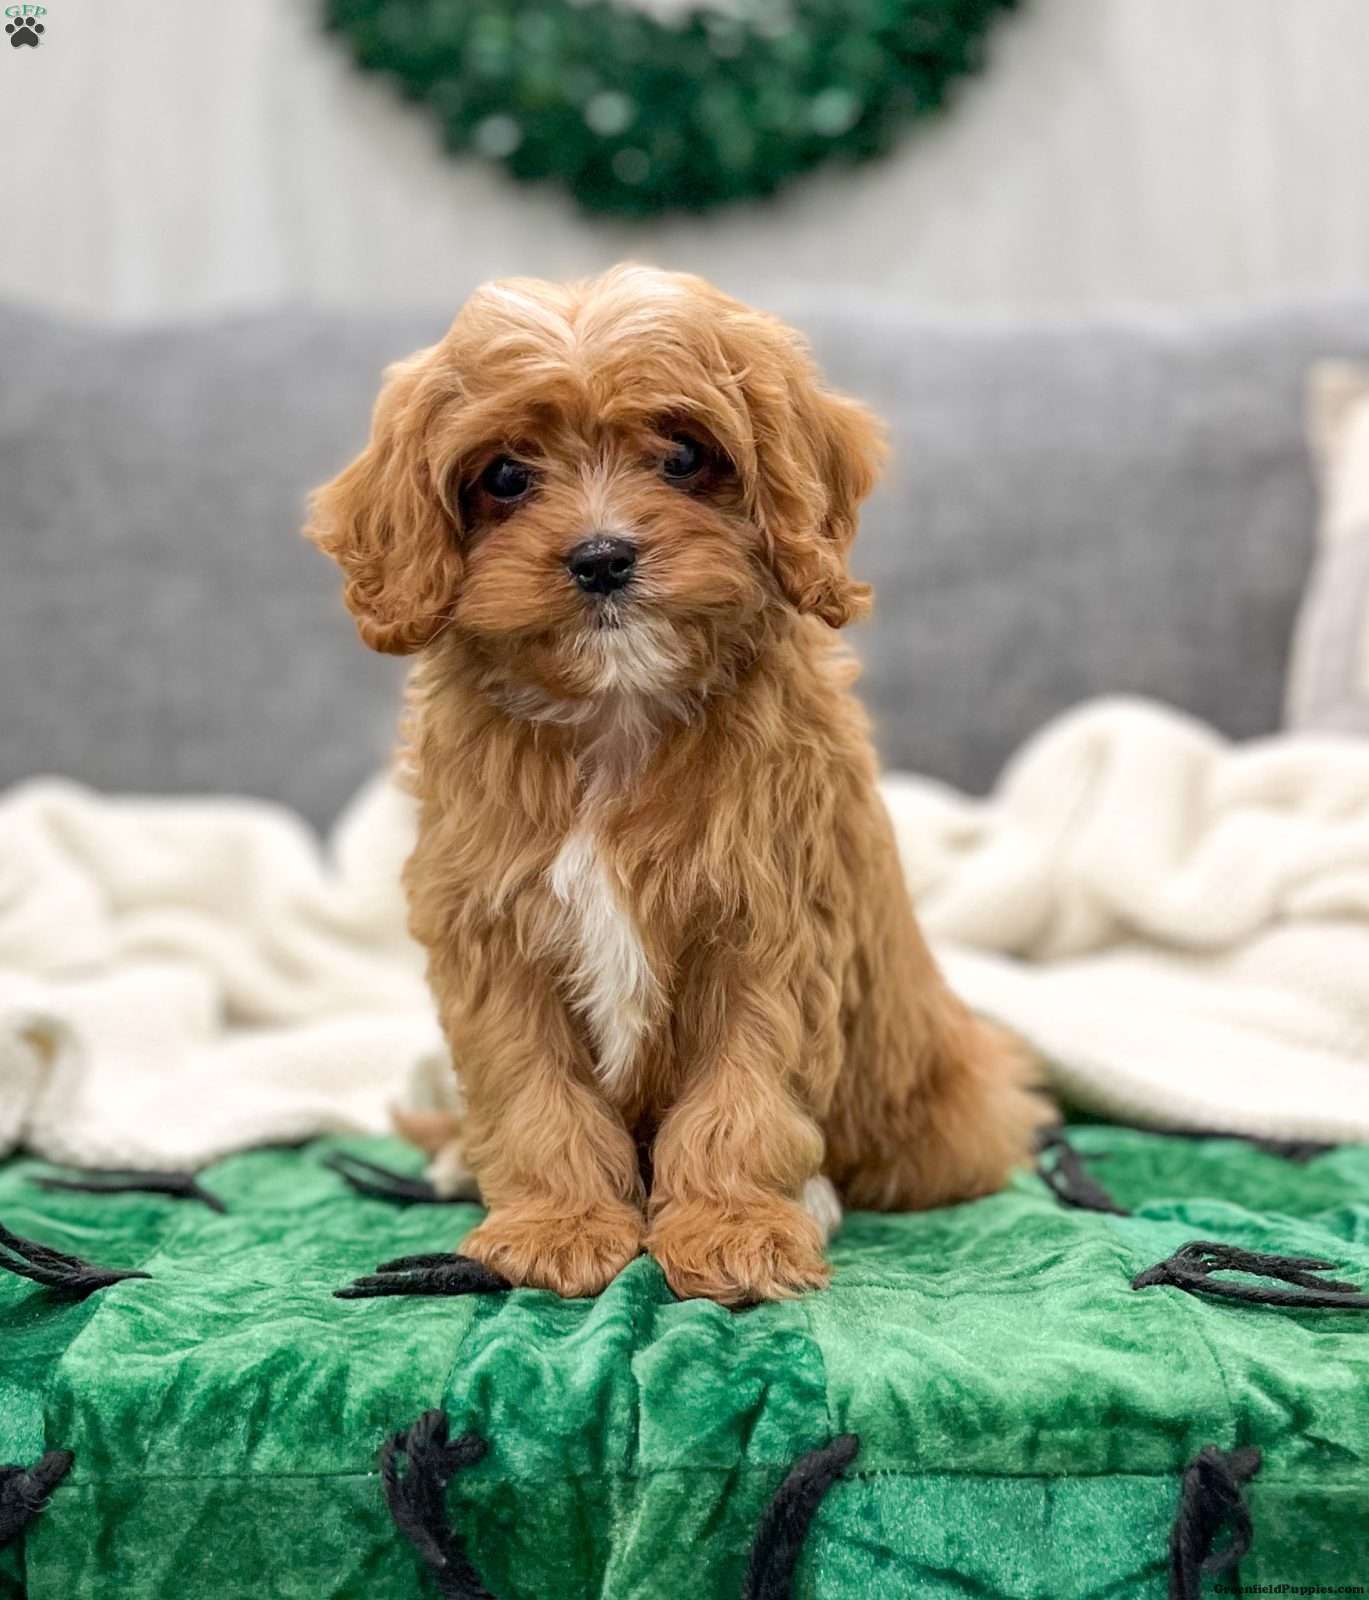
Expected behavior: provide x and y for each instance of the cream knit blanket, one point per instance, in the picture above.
(1179, 924)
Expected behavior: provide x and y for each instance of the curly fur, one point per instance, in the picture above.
(654, 877)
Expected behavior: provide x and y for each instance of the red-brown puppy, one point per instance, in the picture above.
(654, 877)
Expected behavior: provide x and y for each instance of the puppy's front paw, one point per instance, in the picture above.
(574, 1255)
(772, 1253)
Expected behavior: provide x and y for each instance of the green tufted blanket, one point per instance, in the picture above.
(1024, 1414)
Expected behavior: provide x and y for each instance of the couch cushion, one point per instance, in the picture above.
(1114, 506)
(162, 624)
(1328, 685)
(1072, 509)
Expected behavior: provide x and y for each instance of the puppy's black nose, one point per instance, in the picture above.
(602, 566)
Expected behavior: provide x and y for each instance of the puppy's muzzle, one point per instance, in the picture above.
(602, 565)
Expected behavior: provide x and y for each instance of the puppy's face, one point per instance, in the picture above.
(600, 487)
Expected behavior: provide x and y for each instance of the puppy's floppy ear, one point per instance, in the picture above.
(849, 444)
(818, 455)
(387, 519)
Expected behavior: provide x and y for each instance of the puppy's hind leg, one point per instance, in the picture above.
(948, 1123)
(822, 1202)
(440, 1136)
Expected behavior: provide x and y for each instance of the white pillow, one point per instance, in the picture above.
(1328, 683)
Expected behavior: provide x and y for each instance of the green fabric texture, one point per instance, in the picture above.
(1024, 1414)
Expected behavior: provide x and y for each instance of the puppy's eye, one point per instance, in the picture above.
(506, 479)
(686, 460)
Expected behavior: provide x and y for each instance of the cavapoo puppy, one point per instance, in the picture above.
(667, 931)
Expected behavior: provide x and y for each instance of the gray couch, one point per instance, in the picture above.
(1072, 509)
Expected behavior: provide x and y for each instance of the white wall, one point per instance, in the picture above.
(1135, 150)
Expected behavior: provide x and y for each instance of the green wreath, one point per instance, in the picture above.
(636, 116)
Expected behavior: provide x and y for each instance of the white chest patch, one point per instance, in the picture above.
(611, 980)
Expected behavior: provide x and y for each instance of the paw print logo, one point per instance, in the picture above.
(24, 30)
